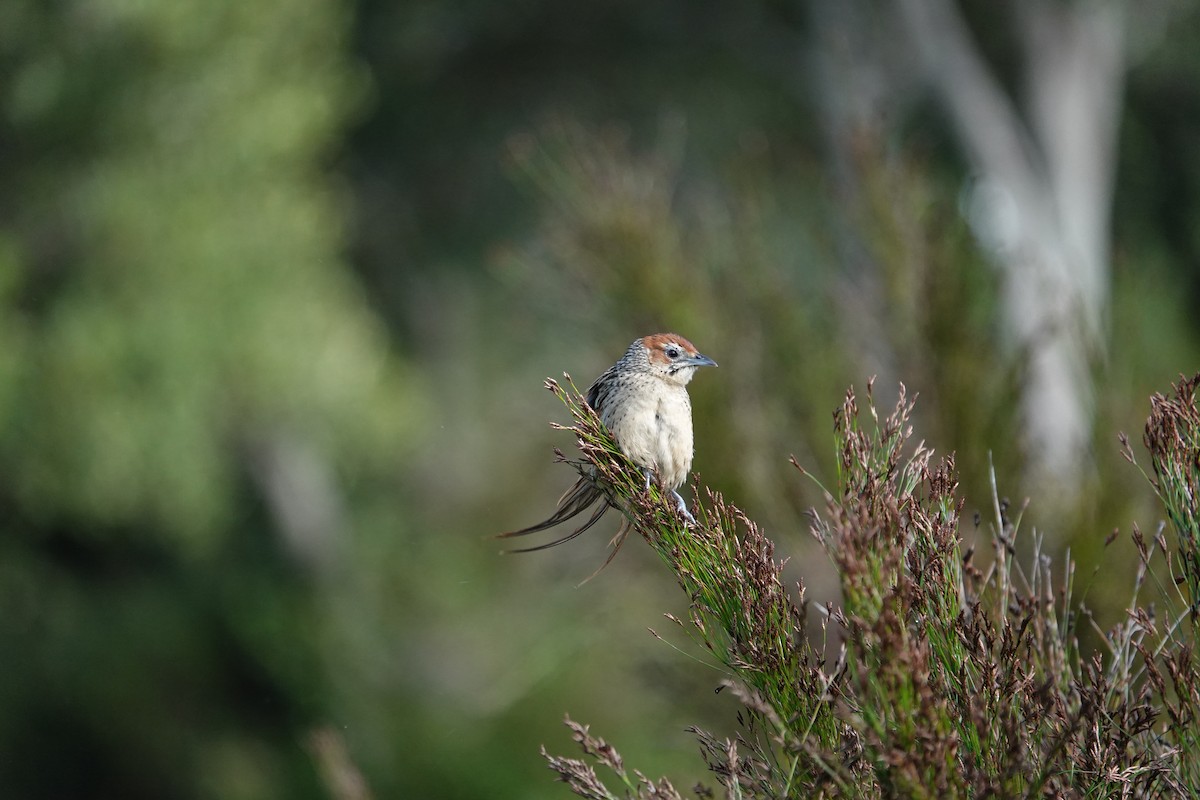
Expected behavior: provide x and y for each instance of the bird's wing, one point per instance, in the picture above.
(598, 391)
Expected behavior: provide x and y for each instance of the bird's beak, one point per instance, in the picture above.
(701, 361)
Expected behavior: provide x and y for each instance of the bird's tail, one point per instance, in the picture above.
(582, 495)
(615, 543)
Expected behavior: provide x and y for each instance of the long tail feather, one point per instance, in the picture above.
(592, 521)
(615, 543)
(573, 503)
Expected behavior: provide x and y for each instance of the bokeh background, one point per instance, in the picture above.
(280, 282)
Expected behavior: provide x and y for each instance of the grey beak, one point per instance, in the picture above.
(701, 361)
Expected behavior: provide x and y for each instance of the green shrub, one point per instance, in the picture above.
(941, 676)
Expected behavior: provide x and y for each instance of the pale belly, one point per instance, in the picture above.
(656, 433)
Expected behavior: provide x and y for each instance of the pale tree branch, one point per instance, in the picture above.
(1043, 195)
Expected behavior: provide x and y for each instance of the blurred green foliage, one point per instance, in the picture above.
(176, 288)
(279, 284)
(174, 306)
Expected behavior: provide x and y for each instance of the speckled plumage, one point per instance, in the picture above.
(643, 401)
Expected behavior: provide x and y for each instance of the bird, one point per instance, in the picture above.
(643, 401)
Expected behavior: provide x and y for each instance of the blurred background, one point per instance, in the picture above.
(280, 282)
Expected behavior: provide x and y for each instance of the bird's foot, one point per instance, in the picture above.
(682, 507)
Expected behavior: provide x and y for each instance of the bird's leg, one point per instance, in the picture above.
(682, 506)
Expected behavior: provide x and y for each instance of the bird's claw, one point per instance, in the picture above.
(682, 507)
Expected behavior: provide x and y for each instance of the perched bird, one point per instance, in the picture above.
(643, 401)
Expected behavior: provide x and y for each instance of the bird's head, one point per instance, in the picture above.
(672, 357)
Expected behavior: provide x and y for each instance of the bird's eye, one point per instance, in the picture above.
(672, 351)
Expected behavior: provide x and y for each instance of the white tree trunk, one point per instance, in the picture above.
(1042, 197)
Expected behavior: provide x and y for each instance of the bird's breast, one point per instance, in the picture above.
(652, 423)
(675, 446)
